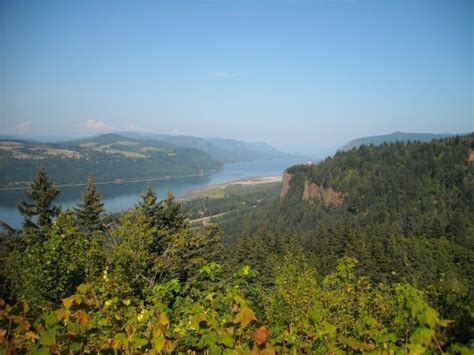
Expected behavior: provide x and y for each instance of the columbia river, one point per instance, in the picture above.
(120, 196)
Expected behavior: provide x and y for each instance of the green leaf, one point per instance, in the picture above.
(226, 340)
(244, 317)
(198, 320)
(75, 347)
(354, 344)
(121, 338)
(40, 351)
(48, 337)
(214, 349)
(159, 343)
(139, 342)
(208, 341)
(83, 288)
(327, 329)
(51, 320)
(416, 349)
(445, 323)
(127, 302)
(461, 349)
(429, 317)
(422, 336)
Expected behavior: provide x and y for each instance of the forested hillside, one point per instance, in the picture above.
(405, 211)
(107, 158)
(393, 138)
(369, 251)
(234, 198)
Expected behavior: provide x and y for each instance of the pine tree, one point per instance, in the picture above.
(150, 207)
(211, 248)
(165, 215)
(153, 214)
(173, 217)
(90, 211)
(186, 251)
(39, 211)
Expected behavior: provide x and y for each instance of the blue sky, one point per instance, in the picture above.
(297, 74)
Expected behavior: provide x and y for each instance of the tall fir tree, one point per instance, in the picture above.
(153, 213)
(150, 207)
(90, 211)
(39, 211)
(173, 217)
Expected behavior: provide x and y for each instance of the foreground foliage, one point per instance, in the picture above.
(344, 313)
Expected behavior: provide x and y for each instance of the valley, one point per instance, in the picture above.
(358, 229)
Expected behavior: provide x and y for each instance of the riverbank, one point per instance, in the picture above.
(118, 197)
(217, 190)
(117, 181)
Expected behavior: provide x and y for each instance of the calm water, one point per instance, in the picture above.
(118, 197)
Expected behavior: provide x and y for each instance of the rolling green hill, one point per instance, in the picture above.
(219, 149)
(107, 158)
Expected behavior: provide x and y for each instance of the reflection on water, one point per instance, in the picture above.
(118, 197)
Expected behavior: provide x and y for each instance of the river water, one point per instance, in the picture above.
(118, 197)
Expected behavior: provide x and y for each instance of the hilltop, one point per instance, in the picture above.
(394, 137)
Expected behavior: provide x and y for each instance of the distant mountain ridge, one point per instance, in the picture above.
(221, 150)
(393, 137)
(41, 139)
(108, 158)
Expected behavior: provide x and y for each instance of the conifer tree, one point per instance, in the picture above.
(150, 206)
(153, 215)
(39, 210)
(90, 211)
(173, 217)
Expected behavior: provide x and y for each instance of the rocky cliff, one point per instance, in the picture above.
(285, 184)
(311, 192)
(328, 196)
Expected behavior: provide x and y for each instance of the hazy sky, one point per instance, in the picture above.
(292, 73)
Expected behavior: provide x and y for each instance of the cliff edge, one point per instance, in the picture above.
(285, 184)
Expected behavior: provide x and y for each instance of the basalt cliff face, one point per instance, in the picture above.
(285, 184)
(327, 196)
(299, 185)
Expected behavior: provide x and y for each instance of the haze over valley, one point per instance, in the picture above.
(236, 177)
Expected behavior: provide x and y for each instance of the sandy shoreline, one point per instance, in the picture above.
(202, 192)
